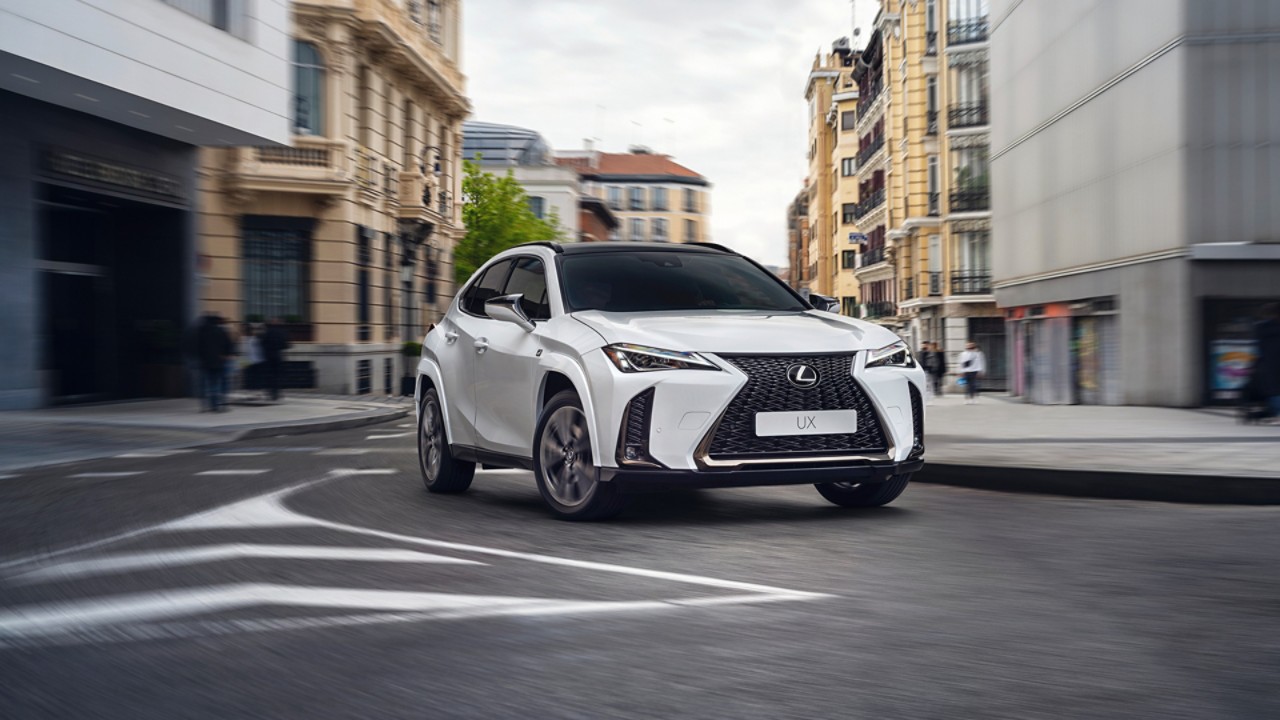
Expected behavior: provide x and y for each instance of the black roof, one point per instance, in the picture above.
(604, 247)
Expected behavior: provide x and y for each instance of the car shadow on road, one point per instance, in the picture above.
(711, 507)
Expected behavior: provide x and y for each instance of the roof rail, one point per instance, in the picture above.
(544, 243)
(715, 246)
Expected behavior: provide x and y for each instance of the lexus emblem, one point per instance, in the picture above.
(802, 376)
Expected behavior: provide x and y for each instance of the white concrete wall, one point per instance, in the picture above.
(148, 50)
(560, 188)
(1088, 165)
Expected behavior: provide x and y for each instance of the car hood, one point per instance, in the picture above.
(737, 332)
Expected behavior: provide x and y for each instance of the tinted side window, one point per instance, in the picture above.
(487, 287)
(529, 278)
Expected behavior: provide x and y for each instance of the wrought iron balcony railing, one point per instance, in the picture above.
(871, 257)
(875, 200)
(971, 200)
(963, 32)
(967, 115)
(881, 309)
(870, 96)
(970, 282)
(867, 152)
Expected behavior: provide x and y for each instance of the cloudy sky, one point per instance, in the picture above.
(717, 84)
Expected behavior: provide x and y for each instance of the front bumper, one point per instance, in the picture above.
(633, 479)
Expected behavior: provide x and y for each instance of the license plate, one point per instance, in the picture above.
(807, 422)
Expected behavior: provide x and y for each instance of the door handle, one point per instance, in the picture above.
(451, 337)
(481, 345)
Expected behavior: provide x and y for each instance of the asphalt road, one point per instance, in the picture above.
(313, 577)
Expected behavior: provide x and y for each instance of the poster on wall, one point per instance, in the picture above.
(1230, 362)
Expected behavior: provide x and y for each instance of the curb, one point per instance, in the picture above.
(1160, 487)
(317, 426)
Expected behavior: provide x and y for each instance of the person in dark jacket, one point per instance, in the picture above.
(934, 362)
(1266, 370)
(213, 351)
(274, 342)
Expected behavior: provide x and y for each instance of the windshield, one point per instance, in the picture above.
(651, 281)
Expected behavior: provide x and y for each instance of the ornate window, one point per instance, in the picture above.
(308, 89)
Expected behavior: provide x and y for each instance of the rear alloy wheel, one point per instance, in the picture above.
(441, 473)
(567, 476)
(847, 494)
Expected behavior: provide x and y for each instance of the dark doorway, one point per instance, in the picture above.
(114, 286)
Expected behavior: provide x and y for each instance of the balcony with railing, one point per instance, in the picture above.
(967, 115)
(964, 32)
(871, 202)
(881, 309)
(970, 282)
(872, 94)
(871, 257)
(974, 199)
(870, 150)
(424, 198)
(313, 165)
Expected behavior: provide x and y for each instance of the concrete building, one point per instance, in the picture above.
(348, 234)
(819, 88)
(554, 190)
(101, 111)
(654, 197)
(922, 170)
(798, 240)
(1136, 161)
(842, 119)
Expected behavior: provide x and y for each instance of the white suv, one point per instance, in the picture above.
(605, 366)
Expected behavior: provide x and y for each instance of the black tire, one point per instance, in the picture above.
(864, 494)
(568, 478)
(446, 475)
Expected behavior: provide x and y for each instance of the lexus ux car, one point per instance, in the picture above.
(606, 367)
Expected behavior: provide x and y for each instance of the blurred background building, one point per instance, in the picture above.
(1136, 174)
(553, 190)
(100, 115)
(347, 235)
(654, 198)
(798, 240)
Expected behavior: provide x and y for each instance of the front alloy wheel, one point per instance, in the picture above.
(567, 476)
(848, 494)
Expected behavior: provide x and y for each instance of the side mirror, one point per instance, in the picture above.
(508, 309)
(824, 303)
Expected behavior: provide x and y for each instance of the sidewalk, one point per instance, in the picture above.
(85, 432)
(1200, 455)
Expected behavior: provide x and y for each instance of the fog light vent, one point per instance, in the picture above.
(633, 445)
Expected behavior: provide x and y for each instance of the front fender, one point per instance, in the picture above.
(568, 367)
(429, 369)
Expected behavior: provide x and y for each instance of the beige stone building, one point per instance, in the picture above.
(348, 235)
(845, 235)
(818, 92)
(654, 198)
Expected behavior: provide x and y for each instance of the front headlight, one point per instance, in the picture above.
(636, 358)
(894, 355)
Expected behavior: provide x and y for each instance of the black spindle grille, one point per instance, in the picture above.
(768, 390)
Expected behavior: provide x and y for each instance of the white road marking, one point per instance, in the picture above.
(127, 562)
(238, 454)
(7, 477)
(129, 473)
(405, 425)
(388, 436)
(365, 471)
(345, 451)
(232, 472)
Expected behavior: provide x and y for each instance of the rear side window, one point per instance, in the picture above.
(487, 287)
(529, 278)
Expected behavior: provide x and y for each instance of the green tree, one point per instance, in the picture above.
(497, 215)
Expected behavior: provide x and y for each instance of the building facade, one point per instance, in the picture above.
(654, 198)
(553, 190)
(347, 236)
(819, 89)
(1136, 230)
(842, 120)
(922, 171)
(101, 113)
(798, 240)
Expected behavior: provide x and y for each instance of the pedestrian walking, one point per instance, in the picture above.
(274, 342)
(1265, 381)
(973, 365)
(213, 351)
(251, 359)
(934, 362)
